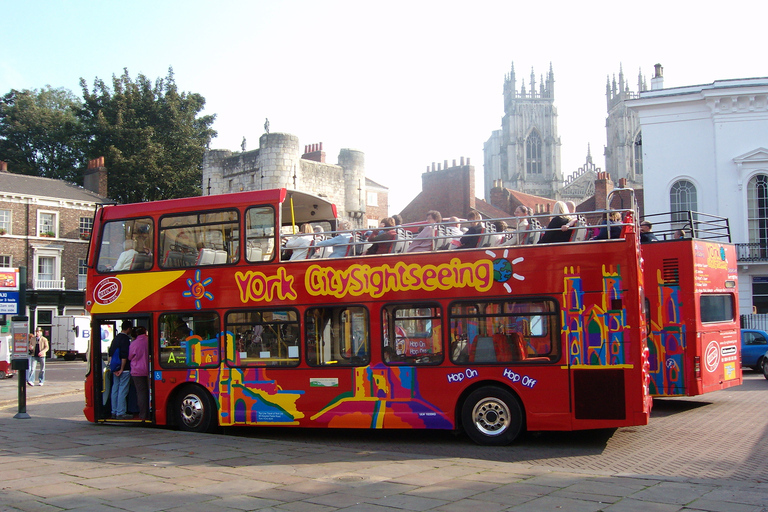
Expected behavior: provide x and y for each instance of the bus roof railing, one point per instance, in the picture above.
(689, 224)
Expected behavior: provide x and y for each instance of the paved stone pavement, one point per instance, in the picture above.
(57, 461)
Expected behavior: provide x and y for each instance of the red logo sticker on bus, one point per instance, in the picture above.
(712, 356)
(107, 291)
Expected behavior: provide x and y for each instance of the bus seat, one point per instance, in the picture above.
(219, 257)
(482, 350)
(502, 348)
(173, 259)
(205, 257)
(254, 254)
(141, 261)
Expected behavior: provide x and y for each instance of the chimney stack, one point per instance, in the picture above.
(3, 166)
(95, 177)
(314, 152)
(657, 82)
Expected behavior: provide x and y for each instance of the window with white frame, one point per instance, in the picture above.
(5, 222)
(82, 273)
(47, 267)
(637, 161)
(373, 199)
(757, 210)
(47, 224)
(86, 225)
(682, 199)
(5, 260)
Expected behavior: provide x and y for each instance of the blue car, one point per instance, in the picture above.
(765, 365)
(754, 345)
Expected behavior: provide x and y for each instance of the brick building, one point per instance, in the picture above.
(451, 191)
(45, 225)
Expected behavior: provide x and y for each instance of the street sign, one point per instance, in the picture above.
(9, 303)
(20, 330)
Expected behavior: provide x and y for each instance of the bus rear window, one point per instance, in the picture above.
(716, 308)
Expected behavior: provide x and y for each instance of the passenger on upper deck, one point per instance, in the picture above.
(472, 235)
(126, 257)
(614, 221)
(382, 240)
(501, 232)
(559, 227)
(339, 242)
(423, 241)
(646, 232)
(300, 243)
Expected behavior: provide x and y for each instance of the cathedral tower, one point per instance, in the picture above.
(525, 153)
(624, 149)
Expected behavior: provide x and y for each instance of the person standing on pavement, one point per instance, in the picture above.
(121, 378)
(138, 355)
(38, 348)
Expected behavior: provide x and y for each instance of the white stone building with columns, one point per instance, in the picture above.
(705, 148)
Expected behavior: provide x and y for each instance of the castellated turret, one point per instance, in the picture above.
(353, 163)
(279, 163)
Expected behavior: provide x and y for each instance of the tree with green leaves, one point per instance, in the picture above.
(149, 134)
(41, 134)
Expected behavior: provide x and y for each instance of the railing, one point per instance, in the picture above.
(754, 321)
(689, 224)
(752, 252)
(49, 284)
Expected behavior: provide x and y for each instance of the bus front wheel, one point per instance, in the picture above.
(195, 410)
(492, 416)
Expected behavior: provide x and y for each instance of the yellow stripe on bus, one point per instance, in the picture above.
(135, 288)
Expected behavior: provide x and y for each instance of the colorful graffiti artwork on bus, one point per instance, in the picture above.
(197, 289)
(383, 397)
(594, 331)
(667, 342)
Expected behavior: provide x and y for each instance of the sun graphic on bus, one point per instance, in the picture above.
(197, 289)
(503, 269)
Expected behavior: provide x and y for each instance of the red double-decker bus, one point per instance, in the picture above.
(691, 286)
(492, 340)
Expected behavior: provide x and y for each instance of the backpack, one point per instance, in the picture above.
(116, 361)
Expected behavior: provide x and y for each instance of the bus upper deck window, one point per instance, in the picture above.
(126, 245)
(260, 234)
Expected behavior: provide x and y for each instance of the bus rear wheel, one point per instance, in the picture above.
(492, 416)
(194, 410)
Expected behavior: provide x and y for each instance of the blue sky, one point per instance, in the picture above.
(407, 82)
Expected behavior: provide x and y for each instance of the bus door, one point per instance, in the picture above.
(720, 364)
(104, 332)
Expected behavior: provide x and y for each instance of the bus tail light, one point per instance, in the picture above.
(697, 367)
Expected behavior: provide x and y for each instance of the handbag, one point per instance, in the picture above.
(116, 361)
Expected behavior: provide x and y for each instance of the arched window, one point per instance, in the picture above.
(757, 210)
(682, 199)
(533, 153)
(637, 162)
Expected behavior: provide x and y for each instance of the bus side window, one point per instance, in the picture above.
(338, 336)
(262, 338)
(189, 340)
(259, 234)
(413, 334)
